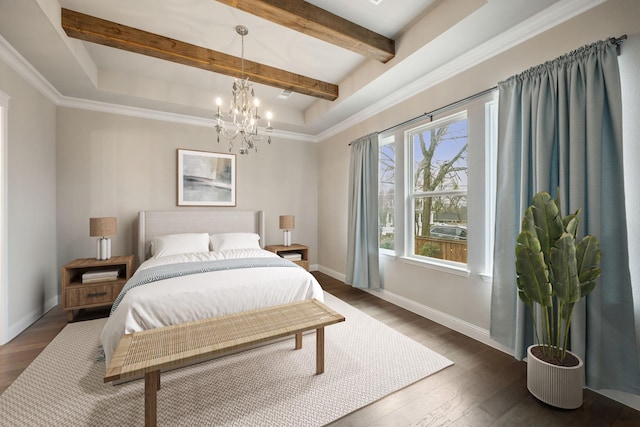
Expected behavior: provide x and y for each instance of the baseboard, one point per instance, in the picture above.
(15, 329)
(451, 322)
(468, 329)
(631, 400)
(336, 275)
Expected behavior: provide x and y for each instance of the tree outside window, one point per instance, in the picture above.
(439, 188)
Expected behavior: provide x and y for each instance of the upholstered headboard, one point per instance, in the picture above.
(159, 223)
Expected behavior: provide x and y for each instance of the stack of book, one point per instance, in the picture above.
(291, 256)
(95, 276)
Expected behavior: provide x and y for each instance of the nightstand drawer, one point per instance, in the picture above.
(85, 296)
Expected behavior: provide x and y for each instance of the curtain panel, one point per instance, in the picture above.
(362, 234)
(560, 127)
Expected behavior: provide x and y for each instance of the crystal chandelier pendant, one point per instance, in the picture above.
(243, 111)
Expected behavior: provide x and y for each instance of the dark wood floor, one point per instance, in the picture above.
(484, 387)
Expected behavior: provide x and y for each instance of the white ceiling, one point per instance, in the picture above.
(434, 39)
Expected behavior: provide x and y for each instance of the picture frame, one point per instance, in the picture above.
(206, 178)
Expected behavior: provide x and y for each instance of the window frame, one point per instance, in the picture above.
(383, 141)
(410, 196)
(490, 169)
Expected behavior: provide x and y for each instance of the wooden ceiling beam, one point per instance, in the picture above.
(100, 31)
(316, 22)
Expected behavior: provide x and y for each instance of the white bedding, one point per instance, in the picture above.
(198, 296)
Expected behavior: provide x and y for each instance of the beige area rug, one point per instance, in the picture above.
(273, 385)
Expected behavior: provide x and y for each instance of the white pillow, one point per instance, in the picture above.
(174, 244)
(226, 241)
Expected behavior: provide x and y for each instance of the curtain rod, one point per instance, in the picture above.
(618, 41)
(443, 109)
(615, 40)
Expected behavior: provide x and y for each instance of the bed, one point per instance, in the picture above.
(200, 264)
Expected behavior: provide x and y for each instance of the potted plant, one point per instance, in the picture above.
(554, 272)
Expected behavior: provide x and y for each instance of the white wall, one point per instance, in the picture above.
(629, 66)
(112, 165)
(32, 286)
(462, 303)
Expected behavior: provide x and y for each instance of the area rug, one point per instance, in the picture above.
(273, 385)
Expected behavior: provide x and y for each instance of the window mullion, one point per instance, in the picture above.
(439, 193)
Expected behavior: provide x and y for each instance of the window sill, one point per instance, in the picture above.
(446, 268)
(386, 253)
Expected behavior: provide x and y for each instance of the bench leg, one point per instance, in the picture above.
(151, 386)
(319, 350)
(298, 340)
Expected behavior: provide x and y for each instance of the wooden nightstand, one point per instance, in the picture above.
(294, 248)
(95, 292)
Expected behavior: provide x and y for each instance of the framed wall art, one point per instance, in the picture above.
(206, 179)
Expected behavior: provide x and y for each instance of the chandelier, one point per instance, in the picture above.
(243, 111)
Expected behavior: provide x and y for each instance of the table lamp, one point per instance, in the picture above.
(287, 223)
(102, 227)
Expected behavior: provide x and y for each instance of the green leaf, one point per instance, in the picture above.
(548, 223)
(525, 299)
(586, 288)
(570, 223)
(588, 256)
(565, 271)
(527, 221)
(527, 238)
(533, 277)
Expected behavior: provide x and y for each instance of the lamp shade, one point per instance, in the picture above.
(287, 222)
(105, 226)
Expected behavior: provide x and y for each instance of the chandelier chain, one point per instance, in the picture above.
(242, 34)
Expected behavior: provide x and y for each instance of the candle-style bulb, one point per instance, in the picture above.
(269, 116)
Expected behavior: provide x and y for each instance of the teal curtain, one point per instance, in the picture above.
(362, 233)
(560, 127)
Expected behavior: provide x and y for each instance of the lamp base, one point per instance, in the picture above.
(287, 238)
(103, 248)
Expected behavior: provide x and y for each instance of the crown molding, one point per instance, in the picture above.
(25, 70)
(145, 113)
(537, 24)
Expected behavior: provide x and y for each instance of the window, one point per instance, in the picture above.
(437, 194)
(437, 188)
(386, 192)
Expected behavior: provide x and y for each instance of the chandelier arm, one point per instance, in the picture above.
(221, 128)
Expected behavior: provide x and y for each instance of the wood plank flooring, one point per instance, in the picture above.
(484, 387)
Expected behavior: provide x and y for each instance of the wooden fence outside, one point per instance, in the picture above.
(450, 250)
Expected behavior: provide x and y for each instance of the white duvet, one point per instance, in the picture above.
(198, 296)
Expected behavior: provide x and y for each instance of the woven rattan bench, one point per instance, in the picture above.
(149, 352)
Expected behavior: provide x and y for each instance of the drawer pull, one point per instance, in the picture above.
(96, 294)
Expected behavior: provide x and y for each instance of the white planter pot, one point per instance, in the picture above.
(559, 386)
